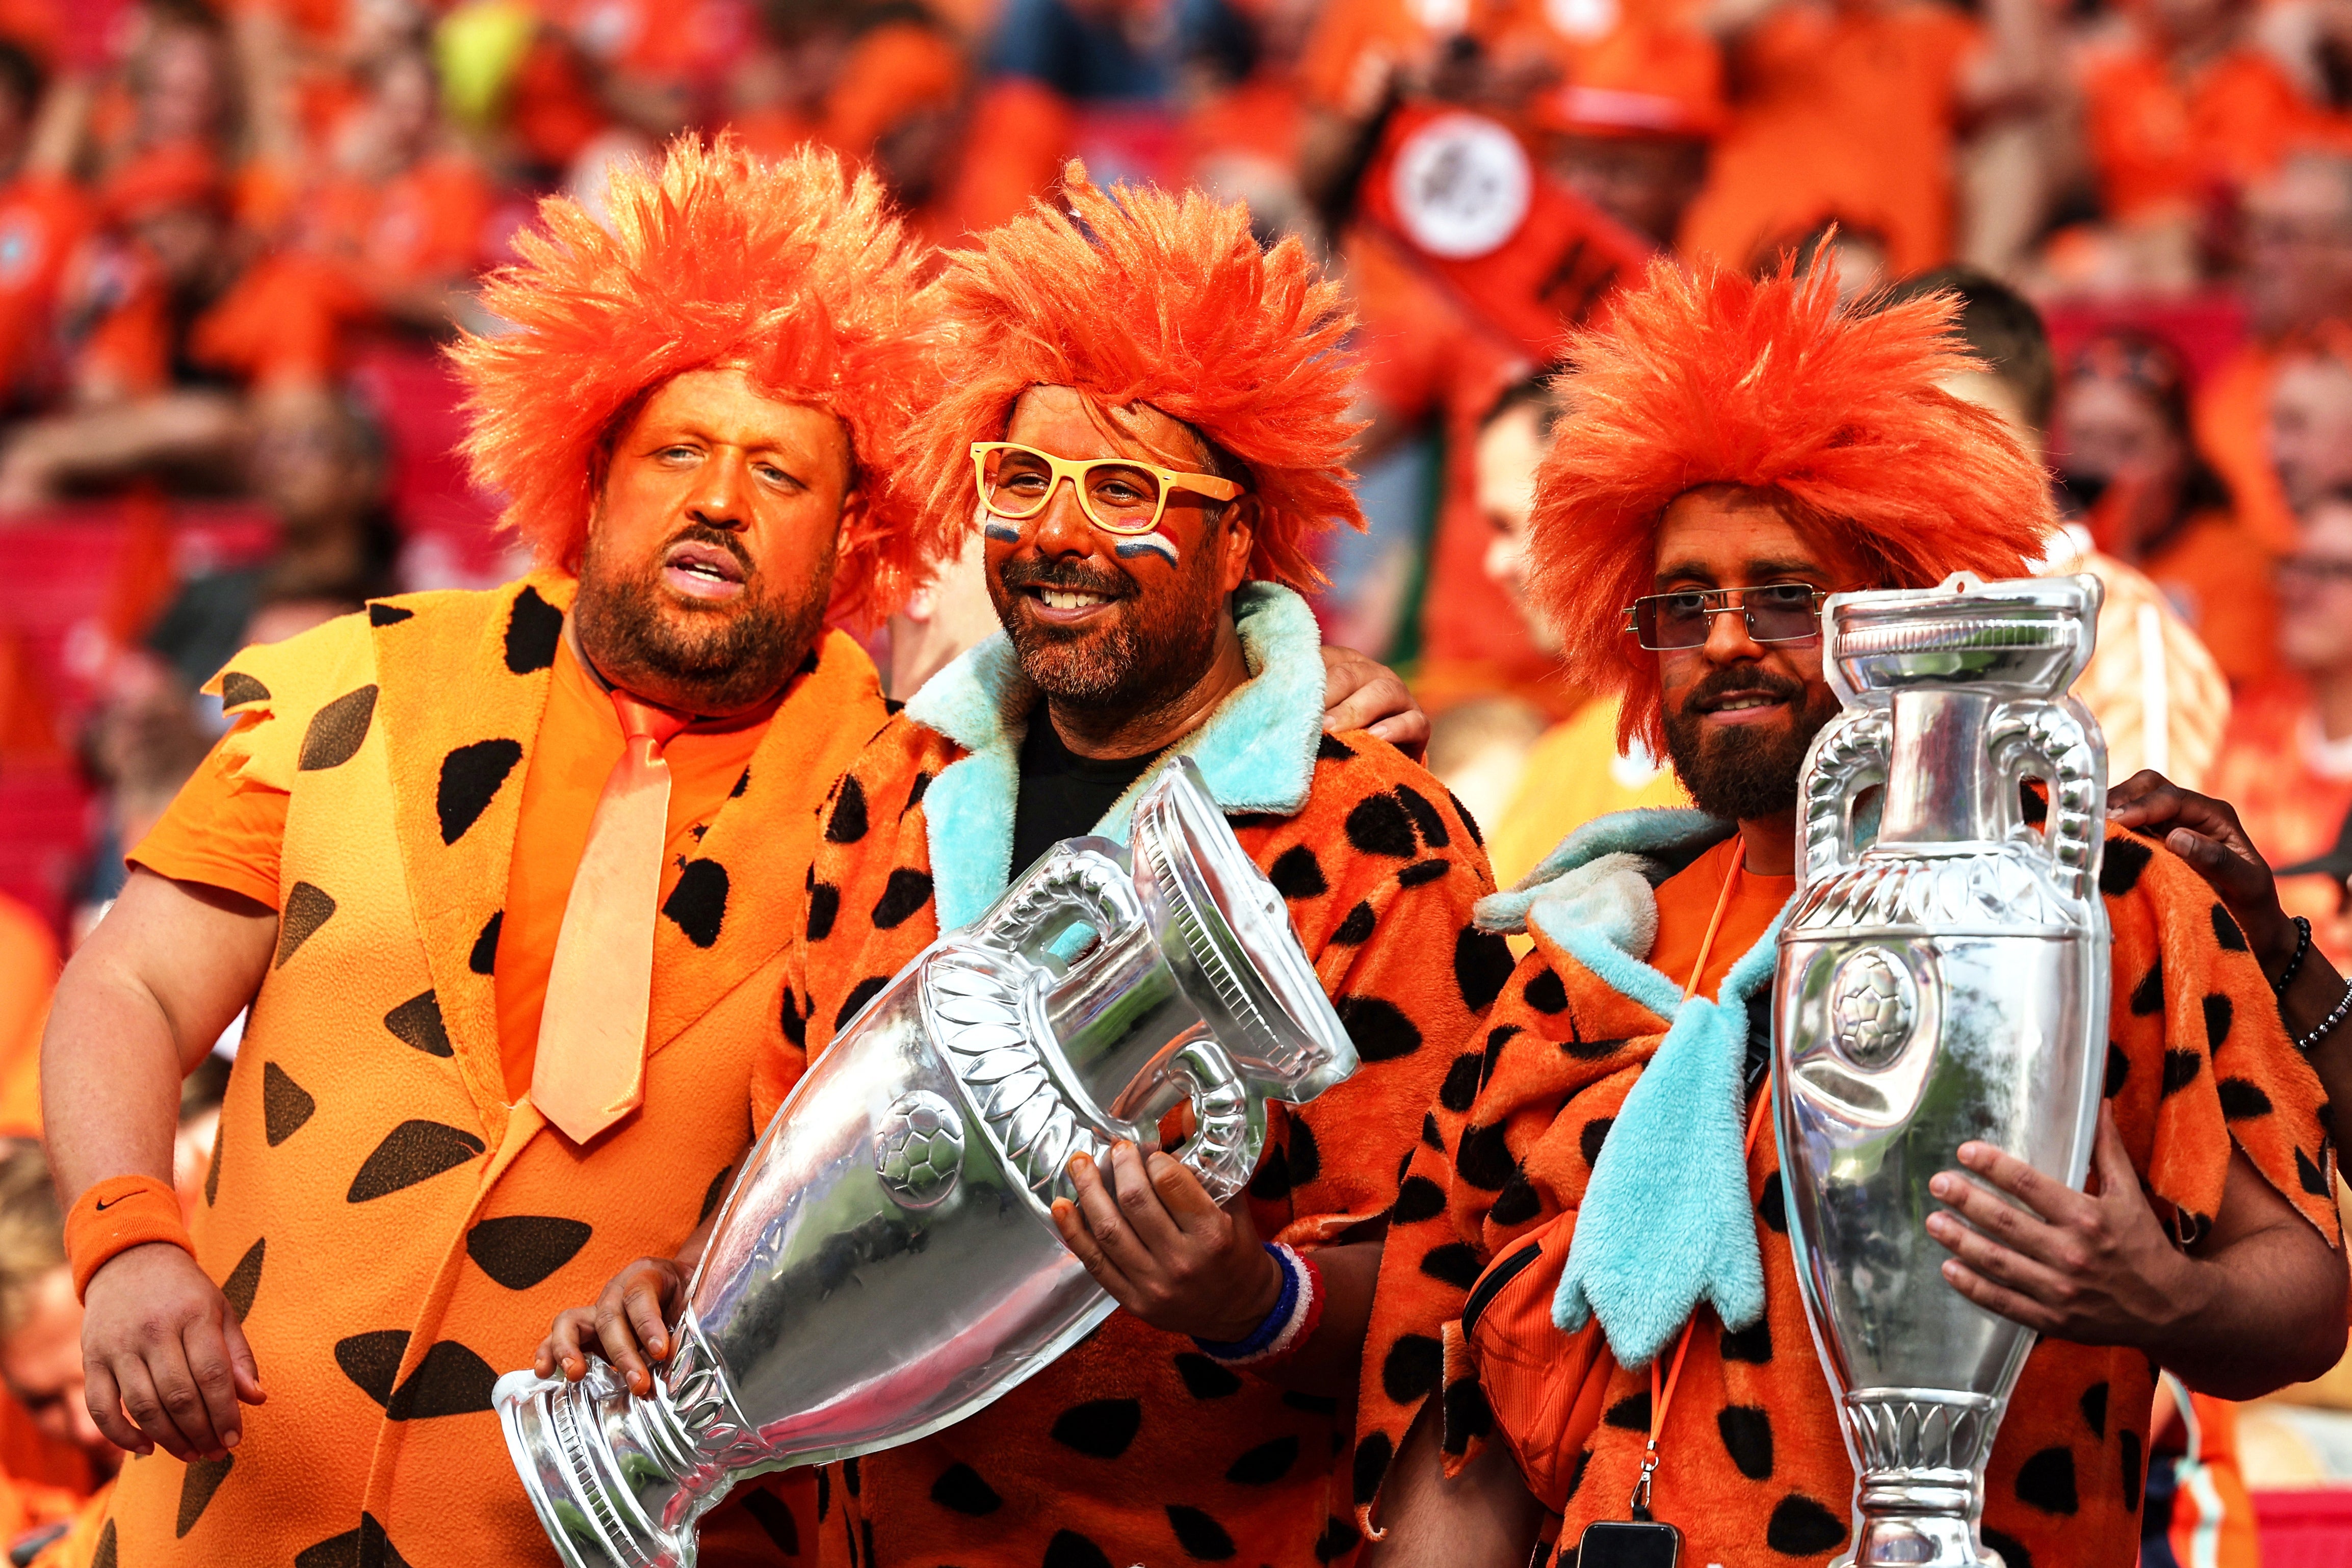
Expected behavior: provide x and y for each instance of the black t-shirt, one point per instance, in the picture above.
(1062, 795)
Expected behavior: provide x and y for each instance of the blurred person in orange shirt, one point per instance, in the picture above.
(175, 312)
(2125, 456)
(2183, 106)
(2286, 764)
(2298, 280)
(1852, 112)
(400, 207)
(43, 218)
(1574, 772)
(2308, 437)
(2152, 684)
(1630, 125)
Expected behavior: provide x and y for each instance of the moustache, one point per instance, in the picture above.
(1723, 686)
(1035, 573)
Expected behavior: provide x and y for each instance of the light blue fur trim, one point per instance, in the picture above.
(1256, 750)
(1645, 831)
(1666, 1222)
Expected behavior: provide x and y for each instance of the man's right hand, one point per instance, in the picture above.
(630, 1320)
(165, 1360)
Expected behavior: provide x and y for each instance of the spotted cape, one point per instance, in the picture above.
(393, 1233)
(1755, 1469)
(1134, 1446)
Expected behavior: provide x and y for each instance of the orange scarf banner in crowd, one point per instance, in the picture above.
(1513, 246)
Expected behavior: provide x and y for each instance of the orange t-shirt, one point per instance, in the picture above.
(1848, 115)
(423, 225)
(2232, 415)
(41, 221)
(2157, 139)
(227, 833)
(1686, 903)
(2219, 578)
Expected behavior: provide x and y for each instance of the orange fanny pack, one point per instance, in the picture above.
(1545, 1385)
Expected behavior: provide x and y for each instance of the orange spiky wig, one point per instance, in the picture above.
(792, 269)
(1137, 296)
(1714, 378)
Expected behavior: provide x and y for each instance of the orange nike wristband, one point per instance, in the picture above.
(117, 1214)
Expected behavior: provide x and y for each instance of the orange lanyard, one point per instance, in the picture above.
(1661, 1398)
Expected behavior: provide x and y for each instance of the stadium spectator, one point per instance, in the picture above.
(43, 214)
(2183, 106)
(1574, 771)
(2297, 280)
(2127, 456)
(1851, 111)
(2287, 763)
(2153, 686)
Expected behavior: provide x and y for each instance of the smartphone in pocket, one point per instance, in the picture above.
(1629, 1543)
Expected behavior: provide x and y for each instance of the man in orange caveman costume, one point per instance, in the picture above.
(690, 419)
(1144, 617)
(1581, 1215)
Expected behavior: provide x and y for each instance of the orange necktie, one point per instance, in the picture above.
(591, 1067)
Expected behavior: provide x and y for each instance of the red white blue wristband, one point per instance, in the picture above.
(1291, 1322)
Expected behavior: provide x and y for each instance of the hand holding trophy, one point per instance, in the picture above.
(888, 1263)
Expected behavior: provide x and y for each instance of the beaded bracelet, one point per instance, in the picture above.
(1288, 1326)
(2294, 964)
(2327, 1025)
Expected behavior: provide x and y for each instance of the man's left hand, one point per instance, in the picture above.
(2097, 1268)
(1163, 1249)
(1360, 693)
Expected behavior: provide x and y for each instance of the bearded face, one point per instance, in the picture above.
(1120, 623)
(1740, 712)
(1747, 769)
(709, 562)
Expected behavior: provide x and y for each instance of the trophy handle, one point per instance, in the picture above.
(2059, 743)
(1849, 755)
(1067, 887)
(1230, 1121)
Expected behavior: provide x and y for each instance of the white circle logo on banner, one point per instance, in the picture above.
(1461, 186)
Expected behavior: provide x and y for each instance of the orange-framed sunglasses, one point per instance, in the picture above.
(1118, 495)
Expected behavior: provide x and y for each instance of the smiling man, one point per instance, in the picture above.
(507, 879)
(1149, 414)
(1593, 1237)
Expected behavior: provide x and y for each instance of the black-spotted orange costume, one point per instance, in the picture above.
(394, 1231)
(1755, 1470)
(1836, 420)
(389, 1213)
(1134, 1446)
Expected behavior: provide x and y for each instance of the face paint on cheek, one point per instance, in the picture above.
(1153, 543)
(1002, 532)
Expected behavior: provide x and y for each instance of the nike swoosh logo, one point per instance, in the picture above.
(105, 1204)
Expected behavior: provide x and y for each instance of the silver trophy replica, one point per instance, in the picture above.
(888, 1264)
(1948, 983)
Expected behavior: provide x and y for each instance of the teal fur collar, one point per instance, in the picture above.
(1256, 750)
(1665, 1222)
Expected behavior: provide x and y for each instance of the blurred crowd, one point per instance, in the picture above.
(233, 232)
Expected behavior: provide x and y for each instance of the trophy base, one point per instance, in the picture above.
(588, 1467)
(1921, 1491)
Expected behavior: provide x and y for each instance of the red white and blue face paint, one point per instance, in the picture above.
(1157, 542)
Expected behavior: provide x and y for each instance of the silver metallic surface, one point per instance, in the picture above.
(1947, 981)
(888, 1264)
